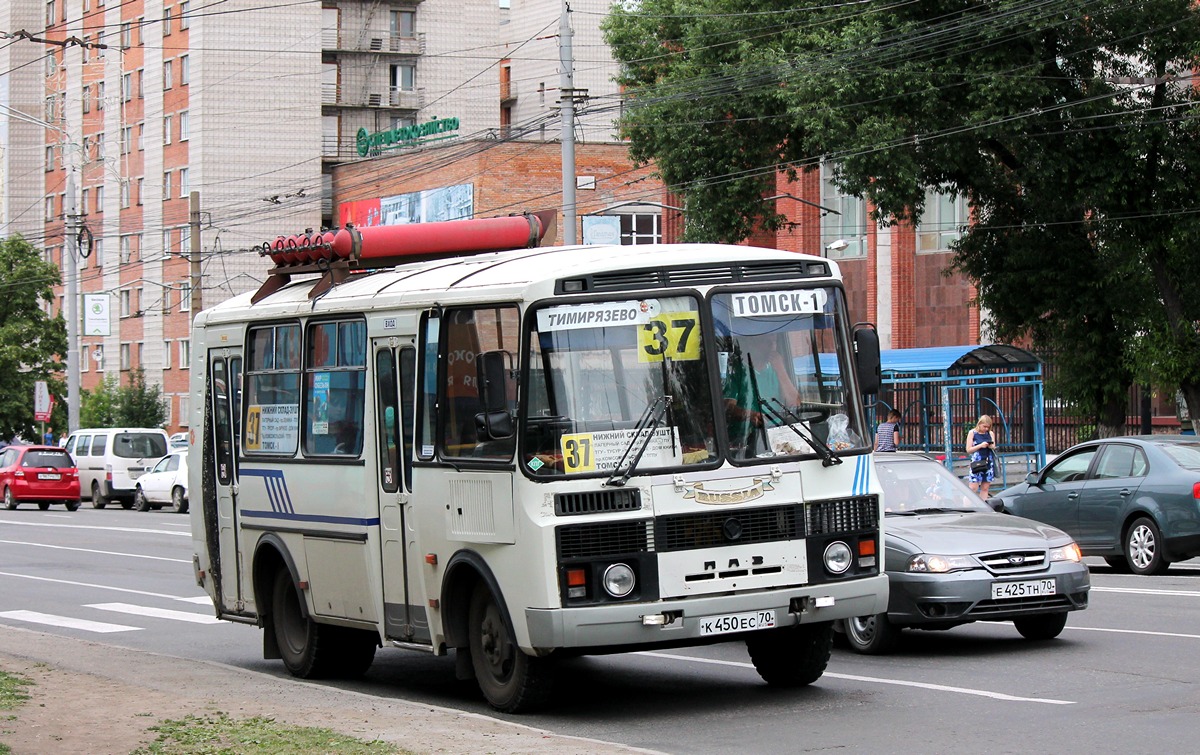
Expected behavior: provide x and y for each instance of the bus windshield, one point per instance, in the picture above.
(598, 368)
(781, 369)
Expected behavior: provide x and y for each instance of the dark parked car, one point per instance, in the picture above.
(1133, 500)
(38, 474)
(952, 560)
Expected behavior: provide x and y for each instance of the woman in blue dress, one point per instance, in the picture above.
(981, 446)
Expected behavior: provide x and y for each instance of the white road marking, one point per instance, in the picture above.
(877, 680)
(93, 527)
(1138, 631)
(1144, 591)
(198, 600)
(92, 550)
(157, 613)
(34, 617)
(98, 587)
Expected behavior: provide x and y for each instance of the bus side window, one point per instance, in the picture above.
(469, 333)
(408, 379)
(431, 332)
(388, 421)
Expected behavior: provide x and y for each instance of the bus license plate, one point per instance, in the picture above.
(49, 476)
(1028, 589)
(737, 622)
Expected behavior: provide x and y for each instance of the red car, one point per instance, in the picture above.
(38, 474)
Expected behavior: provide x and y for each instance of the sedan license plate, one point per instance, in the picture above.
(737, 622)
(49, 476)
(1028, 589)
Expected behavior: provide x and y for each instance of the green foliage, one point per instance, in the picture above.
(133, 405)
(31, 342)
(12, 690)
(220, 734)
(1062, 124)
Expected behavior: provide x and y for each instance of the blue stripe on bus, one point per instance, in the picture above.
(322, 518)
(277, 492)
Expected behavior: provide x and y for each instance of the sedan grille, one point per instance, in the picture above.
(1014, 562)
(985, 608)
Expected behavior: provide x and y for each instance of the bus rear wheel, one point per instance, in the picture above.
(306, 647)
(510, 680)
(793, 656)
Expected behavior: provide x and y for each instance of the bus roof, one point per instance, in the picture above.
(519, 274)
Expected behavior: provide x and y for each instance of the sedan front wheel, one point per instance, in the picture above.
(872, 635)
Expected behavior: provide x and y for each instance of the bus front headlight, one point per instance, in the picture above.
(619, 580)
(838, 557)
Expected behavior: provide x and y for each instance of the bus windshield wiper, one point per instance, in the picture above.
(647, 425)
(780, 413)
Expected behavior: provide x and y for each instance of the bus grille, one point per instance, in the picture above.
(842, 515)
(603, 539)
(597, 501)
(688, 531)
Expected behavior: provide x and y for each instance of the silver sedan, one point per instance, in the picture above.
(952, 560)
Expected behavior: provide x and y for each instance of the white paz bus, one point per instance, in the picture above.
(531, 454)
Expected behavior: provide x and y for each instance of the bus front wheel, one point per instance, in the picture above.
(793, 656)
(304, 645)
(510, 680)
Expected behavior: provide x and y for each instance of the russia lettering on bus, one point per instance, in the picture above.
(766, 303)
(596, 315)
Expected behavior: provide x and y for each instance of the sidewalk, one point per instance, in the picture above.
(94, 698)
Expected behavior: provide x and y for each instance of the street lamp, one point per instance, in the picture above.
(836, 246)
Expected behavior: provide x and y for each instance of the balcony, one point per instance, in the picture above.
(372, 97)
(508, 92)
(371, 41)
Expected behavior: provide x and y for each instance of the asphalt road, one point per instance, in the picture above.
(1121, 677)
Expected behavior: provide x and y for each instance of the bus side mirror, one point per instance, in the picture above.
(866, 358)
(494, 371)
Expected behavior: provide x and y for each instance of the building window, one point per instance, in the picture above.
(183, 182)
(404, 77)
(51, 106)
(168, 74)
(124, 192)
(100, 146)
(184, 407)
(50, 207)
(166, 22)
(185, 70)
(51, 16)
(126, 248)
(127, 35)
(140, 353)
(99, 95)
(185, 240)
(185, 125)
(141, 83)
(848, 224)
(166, 300)
(126, 87)
(98, 252)
(84, 195)
(98, 357)
(126, 140)
(185, 354)
(99, 199)
(167, 242)
(185, 297)
(141, 29)
(124, 298)
(184, 21)
(141, 127)
(404, 24)
(166, 193)
(166, 129)
(141, 182)
(166, 355)
(125, 356)
(85, 360)
(86, 98)
(942, 223)
(641, 228)
(49, 159)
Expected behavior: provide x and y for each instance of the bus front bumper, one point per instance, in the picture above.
(696, 620)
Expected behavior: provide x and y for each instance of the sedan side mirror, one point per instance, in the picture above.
(1031, 478)
(997, 505)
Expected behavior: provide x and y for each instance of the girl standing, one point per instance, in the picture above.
(981, 446)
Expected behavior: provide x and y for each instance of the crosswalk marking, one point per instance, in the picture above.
(200, 600)
(157, 613)
(67, 622)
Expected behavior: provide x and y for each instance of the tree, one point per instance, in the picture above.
(133, 405)
(31, 342)
(1068, 127)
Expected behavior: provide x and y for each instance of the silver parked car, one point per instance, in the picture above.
(1133, 500)
(952, 560)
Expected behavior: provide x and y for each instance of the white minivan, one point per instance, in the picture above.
(111, 459)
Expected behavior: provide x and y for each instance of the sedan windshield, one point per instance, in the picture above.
(598, 369)
(916, 486)
(784, 370)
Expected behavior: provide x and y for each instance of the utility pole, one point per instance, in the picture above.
(72, 225)
(194, 252)
(566, 90)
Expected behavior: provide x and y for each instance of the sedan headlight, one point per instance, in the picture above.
(929, 563)
(1068, 552)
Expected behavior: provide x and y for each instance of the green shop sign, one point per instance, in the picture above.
(403, 136)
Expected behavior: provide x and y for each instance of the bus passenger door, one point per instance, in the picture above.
(395, 367)
(225, 377)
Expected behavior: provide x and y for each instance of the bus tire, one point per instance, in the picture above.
(511, 681)
(306, 647)
(356, 648)
(793, 656)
